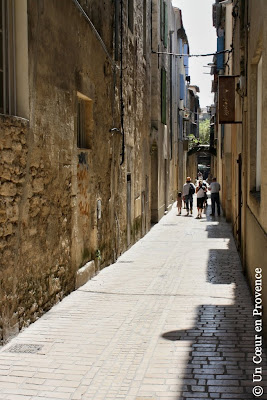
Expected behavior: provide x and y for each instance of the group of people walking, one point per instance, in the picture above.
(201, 190)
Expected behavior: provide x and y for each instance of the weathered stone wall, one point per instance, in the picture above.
(13, 161)
(137, 102)
(35, 239)
(51, 191)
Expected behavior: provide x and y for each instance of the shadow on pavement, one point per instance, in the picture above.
(220, 363)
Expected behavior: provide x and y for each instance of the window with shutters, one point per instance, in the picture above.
(84, 126)
(163, 96)
(164, 22)
(220, 57)
(186, 64)
(182, 86)
(165, 37)
(161, 20)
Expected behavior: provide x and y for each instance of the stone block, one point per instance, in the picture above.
(8, 189)
(84, 274)
(8, 229)
(7, 156)
(38, 185)
(16, 146)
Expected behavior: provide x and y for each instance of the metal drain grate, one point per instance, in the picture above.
(169, 224)
(24, 348)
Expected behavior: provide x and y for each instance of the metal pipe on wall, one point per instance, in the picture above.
(121, 91)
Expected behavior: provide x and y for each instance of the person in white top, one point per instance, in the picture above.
(215, 198)
(200, 190)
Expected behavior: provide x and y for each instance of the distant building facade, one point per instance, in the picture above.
(169, 91)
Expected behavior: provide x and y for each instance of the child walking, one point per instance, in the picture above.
(179, 203)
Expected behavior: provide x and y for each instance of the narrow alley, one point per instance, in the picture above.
(170, 320)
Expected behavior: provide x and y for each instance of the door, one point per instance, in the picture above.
(129, 206)
(154, 184)
(143, 211)
(239, 229)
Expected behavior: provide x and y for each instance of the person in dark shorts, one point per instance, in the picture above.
(215, 198)
(188, 191)
(201, 191)
(179, 203)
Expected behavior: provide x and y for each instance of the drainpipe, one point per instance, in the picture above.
(121, 92)
(171, 97)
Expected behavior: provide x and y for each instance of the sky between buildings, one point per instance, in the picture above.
(197, 21)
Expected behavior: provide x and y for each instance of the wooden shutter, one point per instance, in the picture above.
(165, 24)
(161, 20)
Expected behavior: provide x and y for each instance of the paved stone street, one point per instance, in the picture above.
(171, 320)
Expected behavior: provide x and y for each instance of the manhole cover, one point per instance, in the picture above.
(24, 348)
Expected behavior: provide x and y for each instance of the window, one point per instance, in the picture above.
(14, 81)
(220, 57)
(181, 133)
(84, 121)
(259, 125)
(163, 96)
(186, 64)
(180, 46)
(165, 37)
(131, 14)
(7, 58)
(164, 22)
(182, 87)
(161, 19)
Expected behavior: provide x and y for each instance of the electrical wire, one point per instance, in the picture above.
(78, 5)
(192, 55)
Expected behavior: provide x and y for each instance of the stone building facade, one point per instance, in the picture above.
(75, 140)
(81, 94)
(242, 145)
(169, 91)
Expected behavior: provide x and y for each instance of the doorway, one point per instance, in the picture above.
(239, 215)
(129, 207)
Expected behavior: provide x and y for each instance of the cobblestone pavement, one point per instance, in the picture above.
(171, 320)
